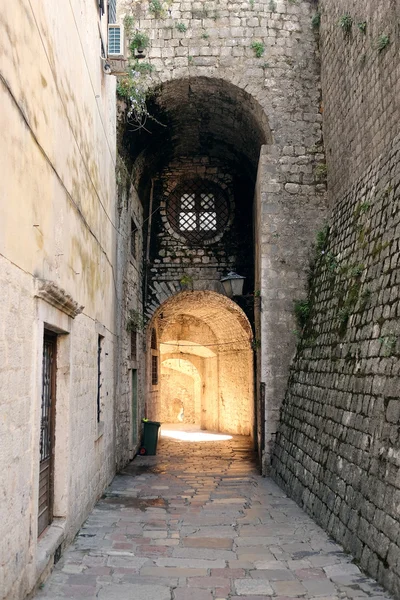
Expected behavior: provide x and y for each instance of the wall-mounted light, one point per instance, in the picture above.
(233, 284)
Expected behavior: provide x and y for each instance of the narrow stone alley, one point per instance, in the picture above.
(198, 522)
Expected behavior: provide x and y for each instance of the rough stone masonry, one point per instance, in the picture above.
(338, 445)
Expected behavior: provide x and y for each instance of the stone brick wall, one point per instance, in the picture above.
(129, 316)
(337, 449)
(360, 87)
(178, 392)
(221, 100)
(172, 259)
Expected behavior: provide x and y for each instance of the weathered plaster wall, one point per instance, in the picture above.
(178, 392)
(57, 214)
(337, 451)
(129, 317)
(212, 71)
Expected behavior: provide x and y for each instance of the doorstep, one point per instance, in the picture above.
(48, 543)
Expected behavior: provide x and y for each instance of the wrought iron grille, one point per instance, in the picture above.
(47, 393)
(198, 210)
(154, 370)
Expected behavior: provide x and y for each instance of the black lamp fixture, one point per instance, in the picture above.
(233, 284)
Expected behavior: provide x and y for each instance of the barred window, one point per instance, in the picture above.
(198, 210)
(154, 370)
(154, 358)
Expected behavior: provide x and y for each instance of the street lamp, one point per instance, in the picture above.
(233, 284)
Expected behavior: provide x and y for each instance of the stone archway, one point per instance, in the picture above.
(206, 357)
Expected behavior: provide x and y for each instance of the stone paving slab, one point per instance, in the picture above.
(197, 522)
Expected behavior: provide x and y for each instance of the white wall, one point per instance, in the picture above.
(57, 223)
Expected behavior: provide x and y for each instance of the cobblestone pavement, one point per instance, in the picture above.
(197, 522)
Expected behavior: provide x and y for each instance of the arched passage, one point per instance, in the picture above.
(206, 357)
(195, 169)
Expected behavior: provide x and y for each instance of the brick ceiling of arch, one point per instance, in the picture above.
(204, 318)
(202, 115)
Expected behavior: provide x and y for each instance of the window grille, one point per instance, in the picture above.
(154, 369)
(154, 358)
(198, 210)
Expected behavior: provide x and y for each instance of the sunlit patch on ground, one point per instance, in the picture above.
(192, 434)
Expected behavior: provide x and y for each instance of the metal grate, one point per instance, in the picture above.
(47, 433)
(47, 400)
(198, 210)
(154, 370)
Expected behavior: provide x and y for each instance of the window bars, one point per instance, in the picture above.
(198, 210)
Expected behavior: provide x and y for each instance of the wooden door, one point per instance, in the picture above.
(47, 421)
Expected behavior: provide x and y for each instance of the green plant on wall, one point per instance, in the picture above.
(316, 20)
(365, 297)
(321, 240)
(129, 24)
(132, 87)
(258, 49)
(331, 262)
(362, 26)
(135, 321)
(389, 343)
(382, 42)
(346, 23)
(186, 281)
(139, 41)
(272, 6)
(158, 9)
(321, 172)
(181, 27)
(302, 311)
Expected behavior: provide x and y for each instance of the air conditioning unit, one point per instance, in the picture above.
(115, 40)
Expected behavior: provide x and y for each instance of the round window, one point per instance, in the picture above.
(198, 210)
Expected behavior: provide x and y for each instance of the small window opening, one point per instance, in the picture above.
(198, 210)
(154, 369)
(154, 358)
(153, 339)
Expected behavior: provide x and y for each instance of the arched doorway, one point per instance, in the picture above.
(195, 170)
(205, 361)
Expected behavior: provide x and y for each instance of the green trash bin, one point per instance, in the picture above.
(151, 431)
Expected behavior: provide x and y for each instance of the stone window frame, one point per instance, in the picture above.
(226, 191)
